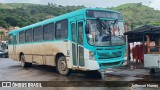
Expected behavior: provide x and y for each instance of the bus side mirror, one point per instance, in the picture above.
(87, 29)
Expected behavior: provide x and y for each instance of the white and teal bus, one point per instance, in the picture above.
(86, 39)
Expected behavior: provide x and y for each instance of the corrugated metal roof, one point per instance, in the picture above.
(138, 34)
(146, 29)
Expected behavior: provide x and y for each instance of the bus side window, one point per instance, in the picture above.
(10, 39)
(38, 34)
(22, 37)
(29, 35)
(48, 32)
(61, 29)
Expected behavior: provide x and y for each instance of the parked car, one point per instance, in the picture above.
(4, 53)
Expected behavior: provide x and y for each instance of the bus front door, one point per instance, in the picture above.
(77, 29)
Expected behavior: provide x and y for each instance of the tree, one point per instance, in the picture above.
(34, 11)
(11, 20)
(1, 34)
(4, 24)
(139, 4)
(155, 23)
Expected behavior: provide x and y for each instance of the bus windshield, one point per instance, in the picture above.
(105, 33)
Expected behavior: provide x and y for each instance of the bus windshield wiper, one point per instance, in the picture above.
(103, 24)
(106, 27)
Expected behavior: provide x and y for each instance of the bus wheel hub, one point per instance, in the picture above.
(63, 65)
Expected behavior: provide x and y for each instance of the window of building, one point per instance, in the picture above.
(61, 29)
(38, 34)
(48, 32)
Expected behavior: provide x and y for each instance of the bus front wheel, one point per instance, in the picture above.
(62, 66)
(24, 63)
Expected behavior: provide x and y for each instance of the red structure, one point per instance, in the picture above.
(138, 52)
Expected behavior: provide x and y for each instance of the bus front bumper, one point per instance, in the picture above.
(103, 64)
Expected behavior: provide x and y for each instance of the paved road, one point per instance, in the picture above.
(12, 71)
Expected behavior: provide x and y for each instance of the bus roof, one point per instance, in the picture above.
(61, 17)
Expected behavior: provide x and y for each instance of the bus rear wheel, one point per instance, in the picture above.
(62, 66)
(152, 72)
(24, 63)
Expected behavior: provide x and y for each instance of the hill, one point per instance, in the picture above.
(5, 6)
(15, 5)
(136, 14)
(22, 14)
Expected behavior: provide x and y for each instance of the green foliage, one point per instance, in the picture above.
(22, 14)
(1, 34)
(4, 24)
(136, 14)
(5, 6)
(155, 23)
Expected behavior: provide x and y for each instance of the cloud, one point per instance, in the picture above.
(155, 4)
(87, 3)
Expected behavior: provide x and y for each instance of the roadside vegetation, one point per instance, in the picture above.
(16, 14)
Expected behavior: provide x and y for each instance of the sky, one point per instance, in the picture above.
(89, 3)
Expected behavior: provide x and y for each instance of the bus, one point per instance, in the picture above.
(88, 39)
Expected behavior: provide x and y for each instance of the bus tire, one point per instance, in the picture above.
(24, 63)
(62, 66)
(3, 56)
(152, 72)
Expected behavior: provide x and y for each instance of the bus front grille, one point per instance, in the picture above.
(109, 55)
(110, 64)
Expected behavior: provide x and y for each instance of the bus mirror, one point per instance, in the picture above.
(115, 22)
(90, 36)
(87, 29)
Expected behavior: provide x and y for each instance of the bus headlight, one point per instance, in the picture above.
(91, 55)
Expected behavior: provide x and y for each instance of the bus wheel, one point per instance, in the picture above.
(152, 71)
(3, 56)
(62, 66)
(23, 63)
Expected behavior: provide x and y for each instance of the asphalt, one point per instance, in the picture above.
(11, 70)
